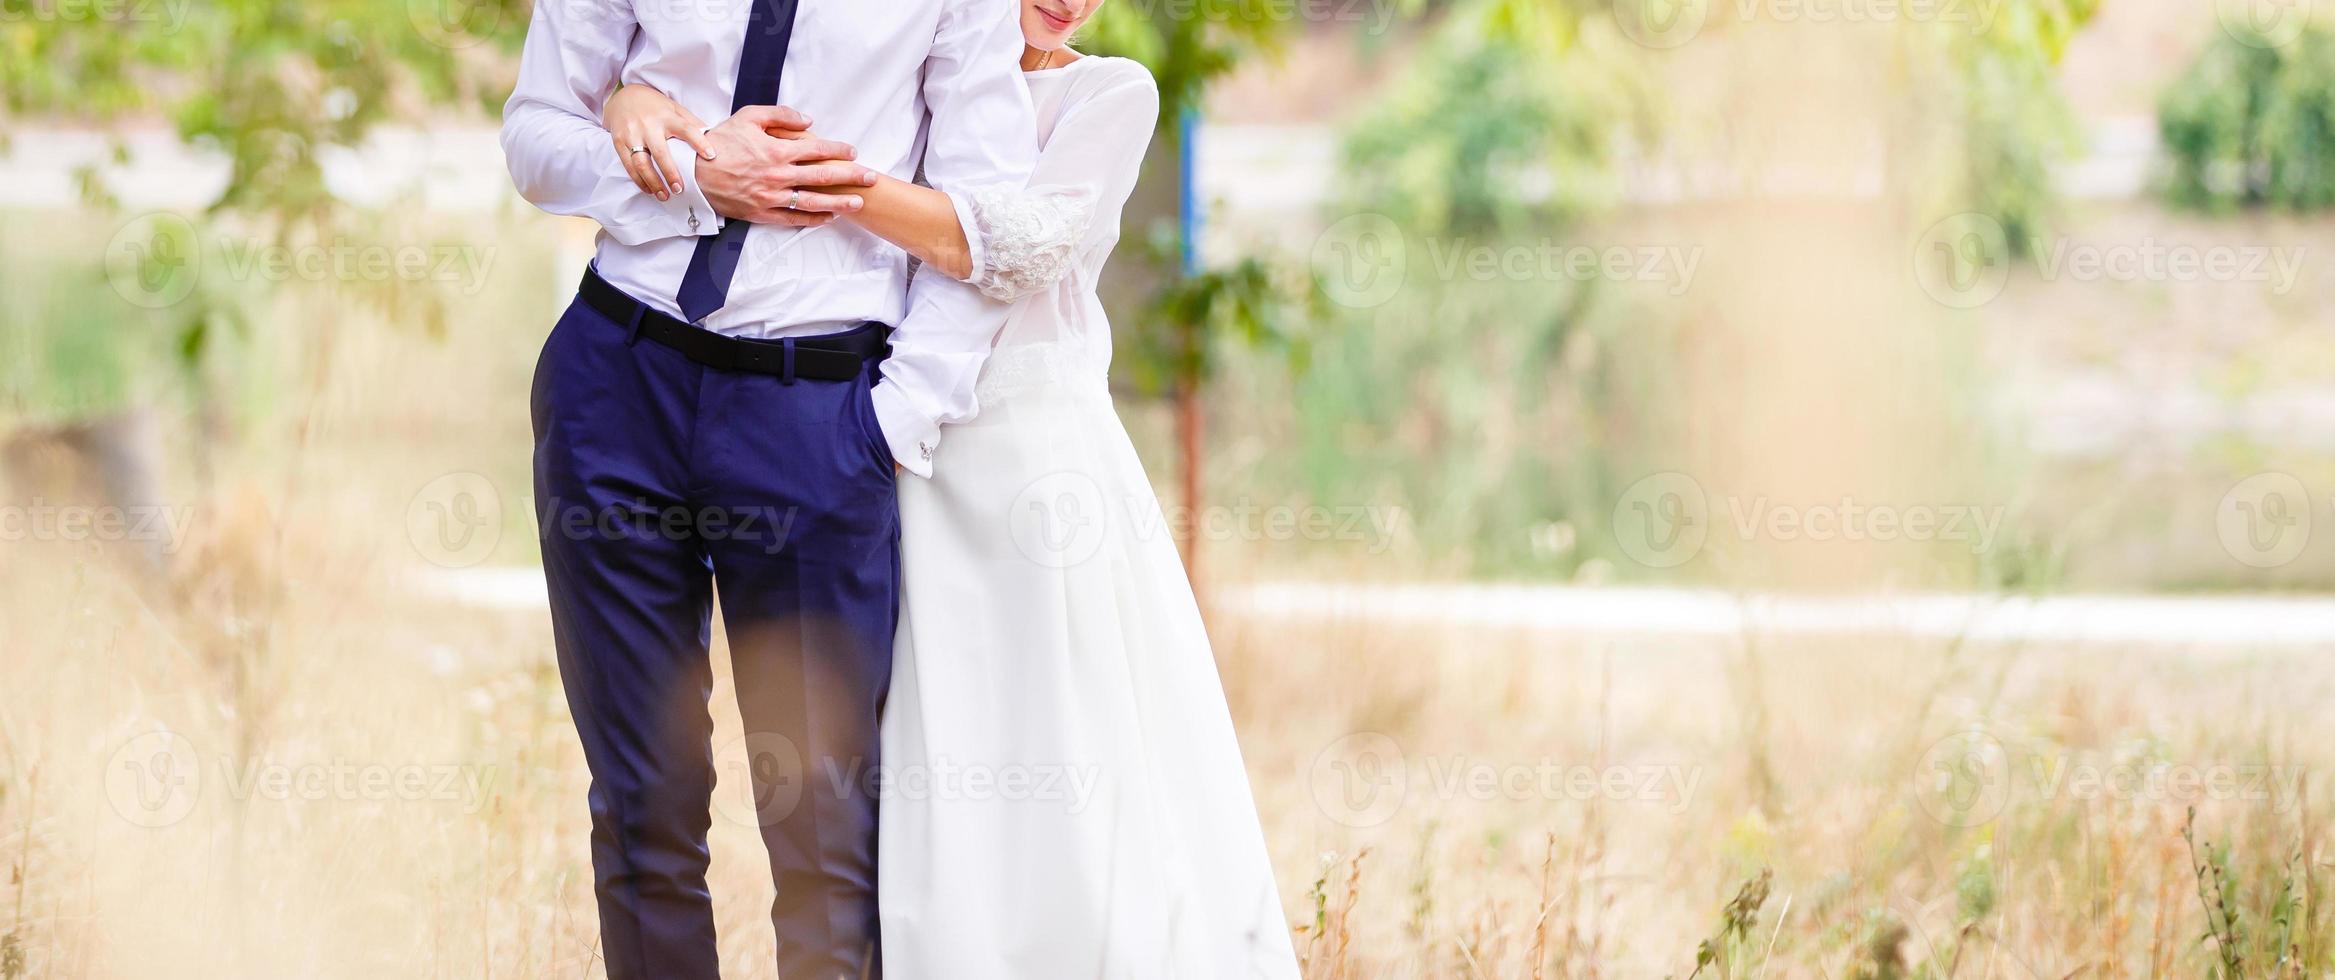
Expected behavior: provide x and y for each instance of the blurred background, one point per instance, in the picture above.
(1679, 487)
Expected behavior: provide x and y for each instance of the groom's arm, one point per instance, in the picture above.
(559, 156)
(983, 134)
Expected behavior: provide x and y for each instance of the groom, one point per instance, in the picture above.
(737, 359)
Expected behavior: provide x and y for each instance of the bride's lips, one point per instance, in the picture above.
(1056, 22)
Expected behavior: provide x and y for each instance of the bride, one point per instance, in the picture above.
(1067, 800)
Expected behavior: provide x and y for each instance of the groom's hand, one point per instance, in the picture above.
(754, 176)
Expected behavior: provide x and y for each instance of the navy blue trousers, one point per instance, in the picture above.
(657, 479)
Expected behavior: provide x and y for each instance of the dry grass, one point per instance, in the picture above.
(301, 651)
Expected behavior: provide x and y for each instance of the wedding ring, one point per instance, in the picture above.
(794, 203)
(640, 149)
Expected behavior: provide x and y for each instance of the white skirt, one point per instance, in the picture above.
(1064, 798)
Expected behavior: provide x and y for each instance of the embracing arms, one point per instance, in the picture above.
(920, 220)
(1029, 236)
(552, 135)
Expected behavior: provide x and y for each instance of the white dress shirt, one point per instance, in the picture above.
(903, 81)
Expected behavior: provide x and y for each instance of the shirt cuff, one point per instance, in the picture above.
(976, 257)
(689, 207)
(913, 438)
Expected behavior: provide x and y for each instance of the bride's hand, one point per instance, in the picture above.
(638, 115)
(804, 134)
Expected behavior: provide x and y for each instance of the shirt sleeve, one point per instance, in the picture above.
(559, 155)
(1081, 184)
(983, 136)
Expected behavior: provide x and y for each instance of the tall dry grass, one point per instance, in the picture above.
(1782, 807)
(1808, 834)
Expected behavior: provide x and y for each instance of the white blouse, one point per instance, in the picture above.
(1045, 247)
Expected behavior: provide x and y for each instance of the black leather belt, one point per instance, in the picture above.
(829, 357)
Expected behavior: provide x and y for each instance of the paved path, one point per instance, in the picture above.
(2229, 622)
(460, 169)
(2127, 621)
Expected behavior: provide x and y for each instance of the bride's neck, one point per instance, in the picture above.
(1034, 59)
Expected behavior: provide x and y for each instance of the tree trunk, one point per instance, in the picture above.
(107, 464)
(1188, 448)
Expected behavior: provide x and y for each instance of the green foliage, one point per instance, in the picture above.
(1505, 417)
(1506, 122)
(270, 85)
(267, 83)
(1986, 118)
(2253, 124)
(1730, 948)
(1186, 46)
(81, 340)
(1251, 301)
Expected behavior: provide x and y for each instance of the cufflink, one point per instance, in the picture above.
(926, 449)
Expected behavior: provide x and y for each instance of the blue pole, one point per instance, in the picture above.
(1187, 142)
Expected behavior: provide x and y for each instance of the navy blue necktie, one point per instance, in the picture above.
(770, 26)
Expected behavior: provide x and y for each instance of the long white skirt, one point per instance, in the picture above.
(1064, 796)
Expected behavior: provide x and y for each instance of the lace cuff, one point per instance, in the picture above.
(1028, 238)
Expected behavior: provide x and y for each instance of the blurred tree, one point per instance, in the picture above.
(2252, 123)
(1986, 121)
(1186, 311)
(1508, 121)
(265, 82)
(268, 85)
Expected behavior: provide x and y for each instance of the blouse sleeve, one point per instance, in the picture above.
(1031, 238)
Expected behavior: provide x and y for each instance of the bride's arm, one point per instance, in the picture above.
(1084, 176)
(1031, 238)
(920, 220)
